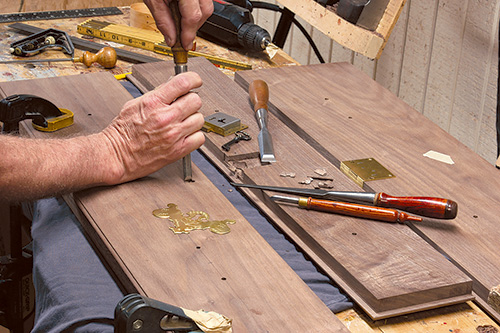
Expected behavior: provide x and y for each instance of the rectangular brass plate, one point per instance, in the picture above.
(365, 169)
(222, 124)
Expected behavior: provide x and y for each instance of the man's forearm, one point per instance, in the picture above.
(33, 168)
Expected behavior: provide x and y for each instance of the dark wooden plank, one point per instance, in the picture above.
(386, 268)
(366, 120)
(237, 274)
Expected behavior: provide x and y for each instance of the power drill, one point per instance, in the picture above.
(233, 26)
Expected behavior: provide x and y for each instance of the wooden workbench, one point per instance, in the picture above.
(459, 317)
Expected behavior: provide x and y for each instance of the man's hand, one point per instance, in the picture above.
(193, 14)
(156, 129)
(150, 132)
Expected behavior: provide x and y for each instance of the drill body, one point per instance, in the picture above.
(233, 26)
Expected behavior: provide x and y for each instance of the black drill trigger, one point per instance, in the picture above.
(16, 108)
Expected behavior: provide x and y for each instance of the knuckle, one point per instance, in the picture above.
(182, 82)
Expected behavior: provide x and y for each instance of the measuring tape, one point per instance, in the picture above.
(147, 40)
(59, 14)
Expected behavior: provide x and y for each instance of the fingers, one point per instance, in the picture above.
(193, 14)
(174, 88)
(157, 129)
(196, 138)
(163, 19)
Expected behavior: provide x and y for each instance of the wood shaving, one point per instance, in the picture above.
(288, 174)
(320, 171)
(307, 181)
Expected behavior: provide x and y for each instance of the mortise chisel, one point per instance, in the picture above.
(438, 208)
(259, 95)
(180, 60)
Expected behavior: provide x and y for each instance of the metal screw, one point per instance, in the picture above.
(137, 325)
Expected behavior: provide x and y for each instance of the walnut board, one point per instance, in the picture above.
(366, 120)
(387, 269)
(237, 274)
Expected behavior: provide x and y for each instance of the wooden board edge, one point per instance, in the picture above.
(103, 249)
(487, 308)
(235, 174)
(360, 40)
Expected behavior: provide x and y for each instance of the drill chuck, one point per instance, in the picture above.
(233, 26)
(252, 37)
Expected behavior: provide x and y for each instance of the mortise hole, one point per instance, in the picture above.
(349, 117)
(354, 233)
(475, 216)
(198, 247)
(223, 279)
(89, 114)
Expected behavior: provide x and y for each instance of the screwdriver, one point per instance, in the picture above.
(106, 57)
(180, 60)
(350, 209)
(438, 208)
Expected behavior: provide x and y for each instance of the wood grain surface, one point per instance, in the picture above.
(237, 274)
(386, 268)
(366, 120)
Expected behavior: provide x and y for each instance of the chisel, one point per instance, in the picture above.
(438, 208)
(259, 95)
(180, 60)
(350, 209)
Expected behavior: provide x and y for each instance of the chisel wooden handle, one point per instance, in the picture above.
(259, 94)
(357, 210)
(178, 51)
(425, 206)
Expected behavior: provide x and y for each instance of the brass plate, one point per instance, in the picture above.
(192, 220)
(365, 169)
(222, 124)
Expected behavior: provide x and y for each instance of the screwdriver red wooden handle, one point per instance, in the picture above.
(425, 206)
(357, 210)
(259, 94)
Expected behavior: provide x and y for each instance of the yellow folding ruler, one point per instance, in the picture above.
(147, 40)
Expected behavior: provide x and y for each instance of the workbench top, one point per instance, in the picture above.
(11, 72)
(463, 317)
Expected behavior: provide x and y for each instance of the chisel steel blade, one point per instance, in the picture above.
(266, 147)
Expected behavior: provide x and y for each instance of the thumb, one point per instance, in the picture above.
(174, 88)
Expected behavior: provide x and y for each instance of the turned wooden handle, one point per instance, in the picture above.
(106, 57)
(357, 210)
(259, 94)
(179, 53)
(425, 206)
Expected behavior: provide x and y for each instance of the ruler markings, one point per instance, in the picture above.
(148, 40)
